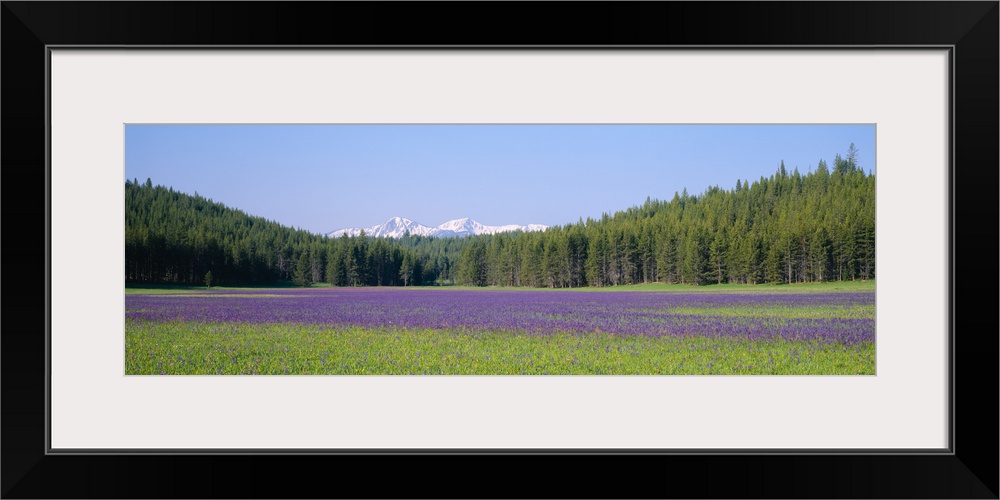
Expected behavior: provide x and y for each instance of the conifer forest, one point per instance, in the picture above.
(787, 228)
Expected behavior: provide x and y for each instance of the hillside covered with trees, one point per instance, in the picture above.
(172, 237)
(786, 228)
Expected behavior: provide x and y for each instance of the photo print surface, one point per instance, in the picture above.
(418, 250)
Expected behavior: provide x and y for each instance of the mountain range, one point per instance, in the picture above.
(396, 227)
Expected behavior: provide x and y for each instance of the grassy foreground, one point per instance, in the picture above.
(708, 330)
(279, 349)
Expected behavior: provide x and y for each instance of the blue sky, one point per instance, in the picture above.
(327, 177)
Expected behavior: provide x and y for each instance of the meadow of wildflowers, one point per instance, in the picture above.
(398, 331)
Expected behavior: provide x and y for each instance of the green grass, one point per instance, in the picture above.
(858, 311)
(273, 349)
(279, 349)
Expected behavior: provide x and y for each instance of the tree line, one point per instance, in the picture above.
(172, 237)
(786, 228)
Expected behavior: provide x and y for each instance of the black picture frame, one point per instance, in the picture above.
(970, 28)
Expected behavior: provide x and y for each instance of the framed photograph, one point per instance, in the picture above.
(871, 377)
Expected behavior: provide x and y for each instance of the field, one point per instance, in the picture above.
(824, 329)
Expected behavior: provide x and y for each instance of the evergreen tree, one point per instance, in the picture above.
(718, 251)
(303, 270)
(693, 270)
(406, 270)
(471, 265)
(335, 274)
(820, 249)
(666, 259)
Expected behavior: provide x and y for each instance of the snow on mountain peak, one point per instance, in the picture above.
(396, 227)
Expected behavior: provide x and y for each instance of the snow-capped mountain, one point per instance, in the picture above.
(396, 227)
(392, 228)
